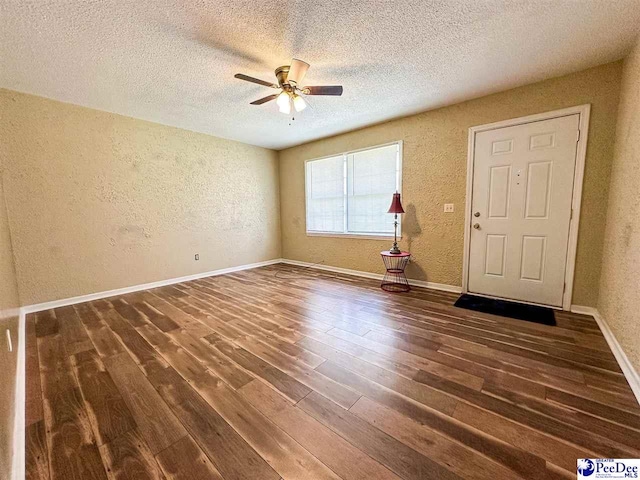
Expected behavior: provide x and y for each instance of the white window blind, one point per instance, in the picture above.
(351, 193)
(325, 195)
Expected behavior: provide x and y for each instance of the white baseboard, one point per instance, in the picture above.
(375, 276)
(626, 366)
(582, 310)
(38, 307)
(18, 463)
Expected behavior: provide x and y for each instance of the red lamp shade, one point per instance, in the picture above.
(396, 205)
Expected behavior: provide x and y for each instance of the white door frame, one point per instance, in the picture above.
(576, 200)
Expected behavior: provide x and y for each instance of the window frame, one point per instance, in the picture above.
(347, 234)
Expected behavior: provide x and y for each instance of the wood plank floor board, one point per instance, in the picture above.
(126, 311)
(340, 350)
(283, 332)
(139, 349)
(493, 447)
(477, 345)
(424, 317)
(286, 384)
(368, 360)
(562, 454)
(174, 313)
(197, 318)
(153, 417)
(46, 323)
(107, 411)
(423, 394)
(417, 347)
(464, 461)
(74, 335)
(103, 338)
(515, 383)
(583, 354)
(184, 460)
(354, 321)
(129, 457)
(212, 359)
(609, 439)
(283, 372)
(576, 386)
(179, 358)
(33, 389)
(71, 446)
(346, 460)
(385, 449)
(490, 327)
(509, 363)
(37, 458)
(282, 452)
(507, 404)
(231, 455)
(620, 414)
(307, 376)
(291, 349)
(153, 315)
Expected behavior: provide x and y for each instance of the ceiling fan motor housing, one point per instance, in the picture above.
(282, 73)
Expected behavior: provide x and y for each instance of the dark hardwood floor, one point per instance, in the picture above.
(289, 373)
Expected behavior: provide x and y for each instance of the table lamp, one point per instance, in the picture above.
(395, 208)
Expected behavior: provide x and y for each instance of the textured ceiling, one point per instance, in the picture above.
(173, 62)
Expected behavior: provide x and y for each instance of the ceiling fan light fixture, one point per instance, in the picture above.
(297, 71)
(290, 78)
(298, 103)
(284, 103)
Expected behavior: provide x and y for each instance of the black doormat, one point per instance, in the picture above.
(504, 308)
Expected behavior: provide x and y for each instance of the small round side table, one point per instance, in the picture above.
(394, 279)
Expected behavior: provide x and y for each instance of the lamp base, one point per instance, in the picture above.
(394, 250)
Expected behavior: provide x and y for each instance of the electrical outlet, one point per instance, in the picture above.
(448, 208)
(197, 256)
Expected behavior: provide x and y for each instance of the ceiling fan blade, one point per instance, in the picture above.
(326, 90)
(265, 99)
(297, 71)
(247, 78)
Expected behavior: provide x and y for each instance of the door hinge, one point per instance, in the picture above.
(564, 287)
(578, 136)
(571, 216)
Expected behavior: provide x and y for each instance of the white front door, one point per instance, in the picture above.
(521, 210)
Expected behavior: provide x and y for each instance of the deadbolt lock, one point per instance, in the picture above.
(477, 214)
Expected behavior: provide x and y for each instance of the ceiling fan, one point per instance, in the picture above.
(290, 85)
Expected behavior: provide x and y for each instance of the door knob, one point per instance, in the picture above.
(476, 226)
(477, 214)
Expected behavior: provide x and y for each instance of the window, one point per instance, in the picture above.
(350, 193)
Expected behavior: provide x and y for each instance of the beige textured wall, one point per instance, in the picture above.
(98, 201)
(8, 320)
(9, 300)
(619, 301)
(434, 166)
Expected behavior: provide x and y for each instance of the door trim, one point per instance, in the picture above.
(576, 199)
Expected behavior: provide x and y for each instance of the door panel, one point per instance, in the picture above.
(521, 205)
(538, 190)
(499, 191)
(534, 250)
(495, 255)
